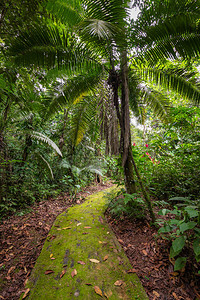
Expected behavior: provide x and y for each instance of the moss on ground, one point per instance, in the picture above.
(81, 234)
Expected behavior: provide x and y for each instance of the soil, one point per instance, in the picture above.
(22, 238)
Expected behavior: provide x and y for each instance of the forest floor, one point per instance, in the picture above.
(22, 238)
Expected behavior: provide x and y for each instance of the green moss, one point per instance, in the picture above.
(77, 243)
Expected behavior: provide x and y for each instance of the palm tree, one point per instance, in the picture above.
(91, 41)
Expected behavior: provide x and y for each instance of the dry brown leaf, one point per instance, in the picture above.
(105, 258)
(175, 296)
(2, 297)
(94, 260)
(144, 252)
(156, 294)
(26, 293)
(98, 291)
(59, 229)
(11, 269)
(52, 258)
(78, 224)
(175, 274)
(73, 273)
(48, 272)
(66, 228)
(62, 273)
(118, 282)
(87, 227)
(101, 220)
(132, 271)
(121, 241)
(81, 262)
(100, 242)
(25, 282)
(108, 294)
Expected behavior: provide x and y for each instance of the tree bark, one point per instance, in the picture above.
(126, 152)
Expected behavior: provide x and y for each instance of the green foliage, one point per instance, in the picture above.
(125, 204)
(183, 228)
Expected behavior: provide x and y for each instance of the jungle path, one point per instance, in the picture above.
(82, 259)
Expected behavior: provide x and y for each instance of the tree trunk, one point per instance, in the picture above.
(126, 151)
(128, 174)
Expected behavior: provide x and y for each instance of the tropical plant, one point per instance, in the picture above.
(95, 35)
(183, 229)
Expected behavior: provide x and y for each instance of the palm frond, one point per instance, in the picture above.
(46, 164)
(43, 138)
(170, 37)
(49, 46)
(183, 82)
(113, 11)
(157, 101)
(67, 12)
(83, 115)
(72, 90)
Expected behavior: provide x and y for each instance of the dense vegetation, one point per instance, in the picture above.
(71, 75)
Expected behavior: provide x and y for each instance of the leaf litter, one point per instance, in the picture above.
(22, 238)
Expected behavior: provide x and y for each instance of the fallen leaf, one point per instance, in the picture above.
(175, 274)
(87, 227)
(132, 271)
(59, 229)
(81, 262)
(48, 272)
(66, 228)
(85, 233)
(88, 284)
(118, 282)
(175, 296)
(62, 273)
(100, 242)
(51, 255)
(105, 258)
(73, 273)
(108, 294)
(94, 260)
(156, 294)
(144, 252)
(121, 241)
(98, 291)
(11, 269)
(78, 224)
(101, 220)
(26, 293)
(52, 258)
(2, 297)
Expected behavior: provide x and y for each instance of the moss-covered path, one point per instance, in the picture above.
(81, 259)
